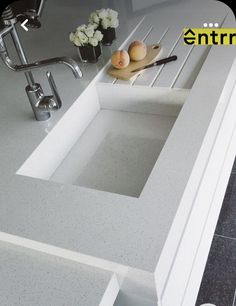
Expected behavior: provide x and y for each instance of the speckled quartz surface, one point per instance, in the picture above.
(32, 278)
(113, 227)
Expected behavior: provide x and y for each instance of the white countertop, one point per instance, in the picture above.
(96, 224)
(30, 278)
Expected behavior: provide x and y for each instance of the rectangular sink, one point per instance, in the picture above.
(109, 140)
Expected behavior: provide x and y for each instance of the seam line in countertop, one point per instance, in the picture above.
(226, 237)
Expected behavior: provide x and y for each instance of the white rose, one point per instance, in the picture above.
(98, 35)
(82, 37)
(102, 13)
(77, 42)
(93, 41)
(89, 31)
(106, 23)
(112, 14)
(95, 25)
(114, 23)
(81, 28)
(72, 37)
(93, 18)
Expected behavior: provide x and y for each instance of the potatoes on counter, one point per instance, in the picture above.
(137, 51)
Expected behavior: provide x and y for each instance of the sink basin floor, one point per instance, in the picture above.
(116, 153)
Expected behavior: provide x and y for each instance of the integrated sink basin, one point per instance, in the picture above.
(109, 139)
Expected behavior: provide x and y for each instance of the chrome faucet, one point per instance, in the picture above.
(41, 104)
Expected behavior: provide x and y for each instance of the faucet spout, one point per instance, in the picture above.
(38, 64)
(69, 62)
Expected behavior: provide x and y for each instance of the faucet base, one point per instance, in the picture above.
(42, 117)
(35, 95)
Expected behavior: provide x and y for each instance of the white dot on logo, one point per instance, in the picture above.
(216, 25)
(210, 24)
(205, 25)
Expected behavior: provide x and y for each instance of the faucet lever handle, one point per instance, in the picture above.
(54, 90)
